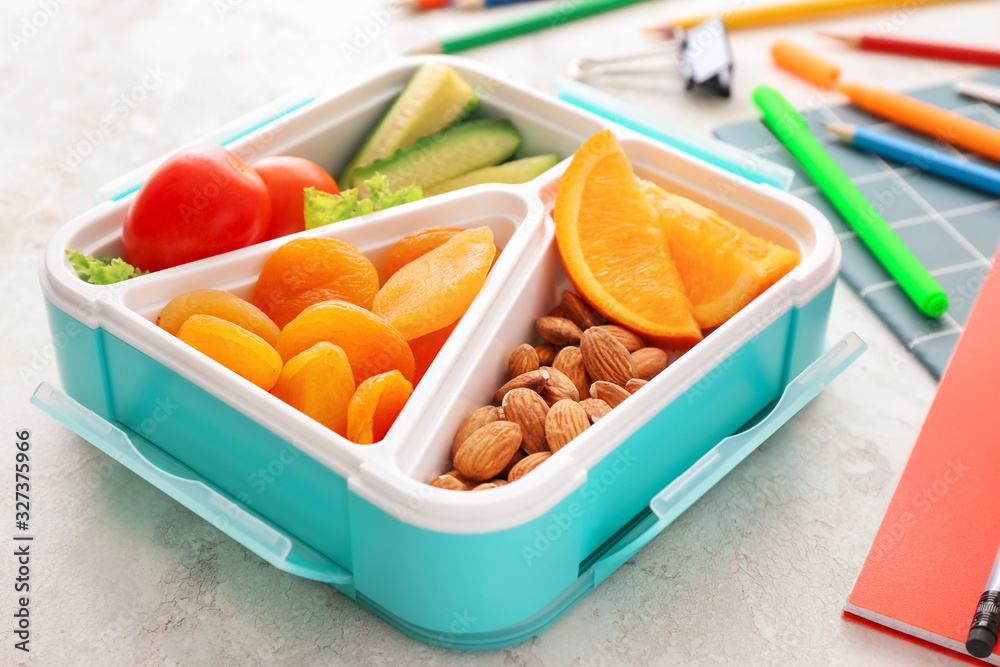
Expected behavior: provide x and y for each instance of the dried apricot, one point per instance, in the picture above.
(375, 406)
(319, 382)
(614, 249)
(426, 348)
(306, 271)
(372, 345)
(723, 267)
(239, 350)
(437, 288)
(224, 305)
(415, 245)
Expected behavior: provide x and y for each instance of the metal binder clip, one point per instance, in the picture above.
(701, 55)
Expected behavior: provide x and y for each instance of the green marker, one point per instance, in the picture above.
(556, 15)
(792, 130)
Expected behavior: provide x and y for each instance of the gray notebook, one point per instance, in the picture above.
(952, 229)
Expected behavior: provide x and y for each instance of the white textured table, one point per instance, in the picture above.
(755, 573)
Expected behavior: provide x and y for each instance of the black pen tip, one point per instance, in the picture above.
(980, 642)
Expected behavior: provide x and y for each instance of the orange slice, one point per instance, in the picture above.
(372, 345)
(723, 267)
(375, 406)
(615, 250)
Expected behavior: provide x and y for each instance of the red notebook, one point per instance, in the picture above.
(930, 559)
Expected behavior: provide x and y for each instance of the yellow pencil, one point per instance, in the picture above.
(751, 17)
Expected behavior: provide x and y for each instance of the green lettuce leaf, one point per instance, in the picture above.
(102, 271)
(322, 208)
(382, 197)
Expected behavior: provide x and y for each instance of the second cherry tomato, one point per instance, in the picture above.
(286, 176)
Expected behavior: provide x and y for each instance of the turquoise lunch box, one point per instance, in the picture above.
(467, 570)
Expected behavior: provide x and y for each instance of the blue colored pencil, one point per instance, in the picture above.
(920, 157)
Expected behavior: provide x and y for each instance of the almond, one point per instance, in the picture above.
(514, 460)
(528, 464)
(608, 392)
(449, 482)
(649, 361)
(635, 384)
(528, 410)
(522, 360)
(595, 408)
(565, 421)
(629, 339)
(579, 311)
(558, 311)
(478, 419)
(533, 380)
(558, 387)
(558, 330)
(492, 484)
(467, 482)
(487, 451)
(546, 354)
(605, 358)
(569, 362)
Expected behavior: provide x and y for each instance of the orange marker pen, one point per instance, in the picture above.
(804, 63)
(925, 118)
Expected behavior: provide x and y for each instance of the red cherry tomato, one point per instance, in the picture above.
(201, 202)
(286, 177)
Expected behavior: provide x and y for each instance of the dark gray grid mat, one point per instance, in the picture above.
(954, 230)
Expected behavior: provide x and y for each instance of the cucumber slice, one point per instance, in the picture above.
(444, 155)
(435, 97)
(515, 171)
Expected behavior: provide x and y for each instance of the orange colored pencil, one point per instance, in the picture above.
(782, 12)
(925, 118)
